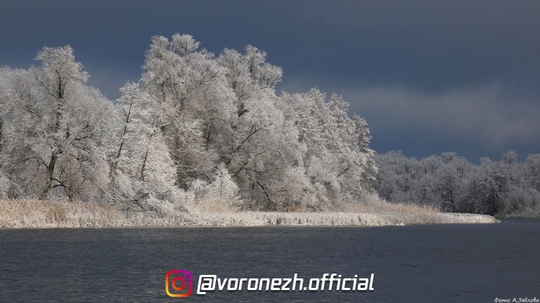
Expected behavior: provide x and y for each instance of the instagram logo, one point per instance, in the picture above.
(178, 283)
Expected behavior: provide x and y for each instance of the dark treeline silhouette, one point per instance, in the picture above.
(503, 188)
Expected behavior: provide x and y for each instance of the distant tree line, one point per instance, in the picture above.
(506, 187)
(194, 127)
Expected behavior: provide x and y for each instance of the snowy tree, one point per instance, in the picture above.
(435, 180)
(263, 149)
(194, 126)
(57, 127)
(447, 184)
(369, 168)
(263, 155)
(487, 188)
(336, 156)
(141, 168)
(532, 171)
(521, 195)
(7, 77)
(450, 178)
(194, 103)
(452, 183)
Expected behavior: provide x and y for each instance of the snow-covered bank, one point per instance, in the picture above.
(56, 214)
(330, 219)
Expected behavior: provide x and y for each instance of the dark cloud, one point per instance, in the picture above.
(430, 44)
(479, 121)
(420, 71)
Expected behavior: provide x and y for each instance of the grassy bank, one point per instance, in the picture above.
(59, 214)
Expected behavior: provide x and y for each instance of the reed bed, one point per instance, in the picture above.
(63, 214)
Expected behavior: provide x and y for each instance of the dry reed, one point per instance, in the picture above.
(62, 214)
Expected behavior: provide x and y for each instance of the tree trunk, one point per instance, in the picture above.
(50, 174)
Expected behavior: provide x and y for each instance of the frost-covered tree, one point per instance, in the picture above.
(448, 181)
(488, 186)
(225, 110)
(194, 103)
(435, 180)
(532, 171)
(221, 111)
(501, 188)
(7, 77)
(57, 124)
(141, 166)
(194, 127)
(263, 155)
(336, 157)
(398, 177)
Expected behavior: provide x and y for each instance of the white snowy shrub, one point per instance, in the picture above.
(220, 195)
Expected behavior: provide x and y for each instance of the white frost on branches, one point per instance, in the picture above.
(197, 132)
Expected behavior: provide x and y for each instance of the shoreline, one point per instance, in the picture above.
(35, 214)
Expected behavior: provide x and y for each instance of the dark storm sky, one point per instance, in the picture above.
(429, 76)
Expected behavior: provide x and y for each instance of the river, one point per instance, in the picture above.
(424, 263)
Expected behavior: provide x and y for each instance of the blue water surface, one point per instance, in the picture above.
(427, 263)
